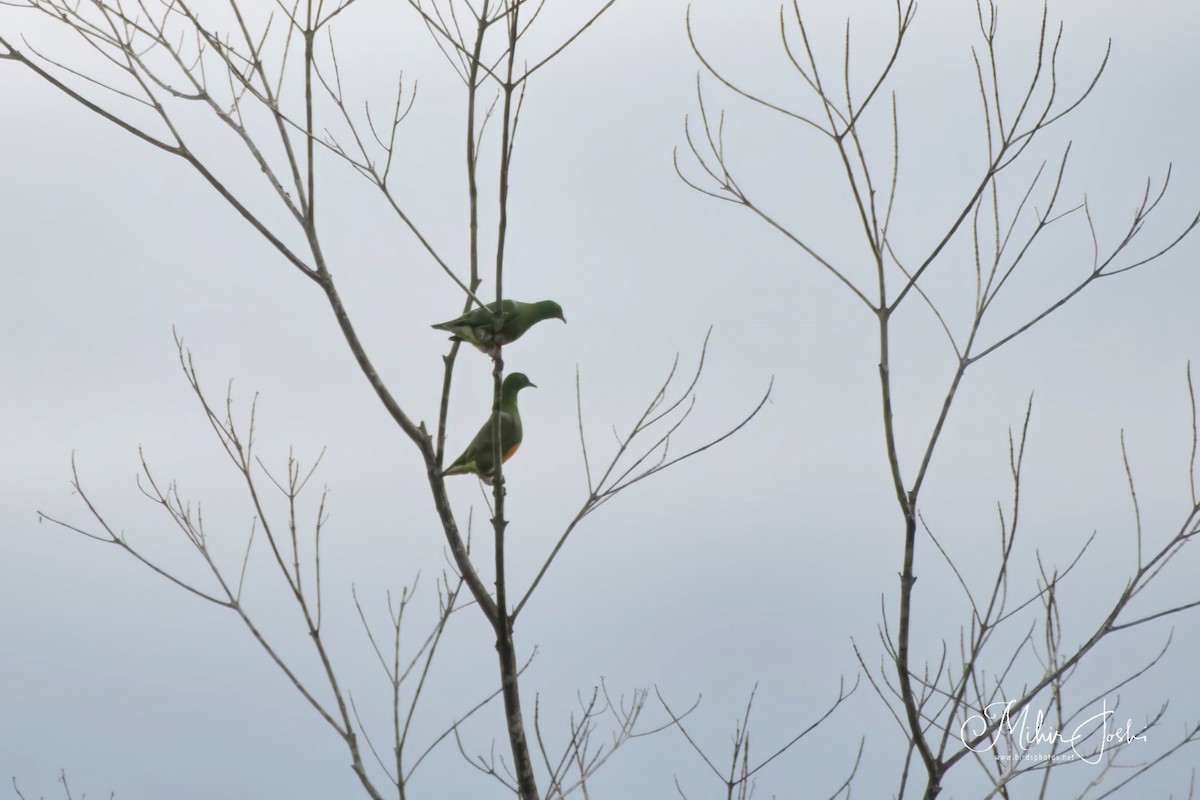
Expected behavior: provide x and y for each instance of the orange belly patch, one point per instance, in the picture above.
(509, 453)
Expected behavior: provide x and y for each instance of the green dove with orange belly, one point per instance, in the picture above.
(479, 457)
(496, 325)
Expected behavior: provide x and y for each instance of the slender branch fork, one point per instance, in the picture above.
(1005, 237)
(62, 778)
(737, 778)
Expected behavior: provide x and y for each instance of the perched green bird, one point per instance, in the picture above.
(478, 326)
(479, 457)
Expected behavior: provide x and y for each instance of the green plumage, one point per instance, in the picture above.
(486, 329)
(479, 457)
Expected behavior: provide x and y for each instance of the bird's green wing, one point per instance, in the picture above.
(479, 457)
(477, 316)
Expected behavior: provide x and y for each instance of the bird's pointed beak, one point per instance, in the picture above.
(532, 385)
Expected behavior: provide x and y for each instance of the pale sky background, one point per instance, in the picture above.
(756, 563)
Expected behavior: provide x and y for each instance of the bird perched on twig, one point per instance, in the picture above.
(496, 325)
(479, 457)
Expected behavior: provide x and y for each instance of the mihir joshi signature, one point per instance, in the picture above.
(1087, 740)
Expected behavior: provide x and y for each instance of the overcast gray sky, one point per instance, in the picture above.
(755, 563)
